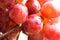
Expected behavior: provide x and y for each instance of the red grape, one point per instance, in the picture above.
(32, 25)
(38, 36)
(3, 19)
(42, 24)
(52, 30)
(20, 1)
(14, 35)
(43, 1)
(10, 3)
(7, 24)
(6, 2)
(51, 9)
(33, 6)
(19, 13)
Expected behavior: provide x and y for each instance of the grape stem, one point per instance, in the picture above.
(10, 31)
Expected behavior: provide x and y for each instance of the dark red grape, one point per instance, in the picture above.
(38, 36)
(33, 6)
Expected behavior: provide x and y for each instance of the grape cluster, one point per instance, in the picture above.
(38, 19)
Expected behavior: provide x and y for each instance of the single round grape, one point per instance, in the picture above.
(19, 13)
(32, 25)
(51, 9)
(52, 29)
(33, 6)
